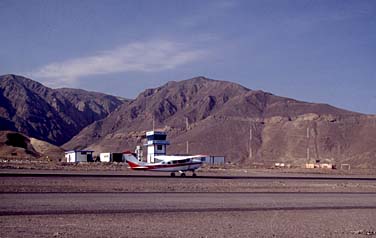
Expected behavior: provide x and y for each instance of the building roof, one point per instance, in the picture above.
(149, 133)
(74, 151)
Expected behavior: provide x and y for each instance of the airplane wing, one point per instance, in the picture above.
(178, 157)
(140, 168)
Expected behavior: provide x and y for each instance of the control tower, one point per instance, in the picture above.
(156, 144)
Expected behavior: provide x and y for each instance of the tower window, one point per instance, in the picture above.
(156, 137)
(159, 147)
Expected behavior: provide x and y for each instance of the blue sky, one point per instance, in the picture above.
(311, 50)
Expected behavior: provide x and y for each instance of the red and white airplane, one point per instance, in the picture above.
(168, 163)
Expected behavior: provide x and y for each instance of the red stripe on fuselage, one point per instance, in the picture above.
(133, 165)
(173, 165)
(159, 166)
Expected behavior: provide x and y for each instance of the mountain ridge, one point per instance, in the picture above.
(249, 127)
(225, 110)
(53, 115)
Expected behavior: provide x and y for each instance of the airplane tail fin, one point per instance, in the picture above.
(132, 160)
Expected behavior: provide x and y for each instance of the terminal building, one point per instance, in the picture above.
(74, 156)
(156, 144)
(111, 157)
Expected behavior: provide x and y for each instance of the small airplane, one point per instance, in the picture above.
(168, 163)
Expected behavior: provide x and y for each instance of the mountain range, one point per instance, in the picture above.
(52, 115)
(200, 115)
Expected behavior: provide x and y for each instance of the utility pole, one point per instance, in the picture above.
(153, 123)
(250, 141)
(187, 127)
(308, 144)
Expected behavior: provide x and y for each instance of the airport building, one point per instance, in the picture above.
(214, 160)
(156, 144)
(111, 157)
(74, 156)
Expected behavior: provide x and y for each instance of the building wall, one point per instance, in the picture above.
(77, 156)
(214, 160)
(326, 166)
(161, 150)
(81, 157)
(70, 157)
(150, 156)
(105, 157)
(218, 159)
(117, 157)
(153, 150)
(322, 166)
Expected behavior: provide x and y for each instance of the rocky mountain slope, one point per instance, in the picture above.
(248, 127)
(52, 115)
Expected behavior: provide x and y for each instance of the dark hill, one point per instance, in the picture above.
(15, 145)
(48, 114)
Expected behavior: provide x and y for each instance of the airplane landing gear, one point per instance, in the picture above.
(172, 174)
(182, 174)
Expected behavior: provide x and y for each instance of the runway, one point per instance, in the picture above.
(62, 205)
(152, 175)
(187, 214)
(117, 203)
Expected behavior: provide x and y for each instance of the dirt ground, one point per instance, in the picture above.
(124, 183)
(320, 223)
(219, 203)
(230, 170)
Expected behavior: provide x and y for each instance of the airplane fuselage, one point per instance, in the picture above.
(167, 163)
(191, 166)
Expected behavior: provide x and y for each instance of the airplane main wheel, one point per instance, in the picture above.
(183, 174)
(194, 175)
(172, 174)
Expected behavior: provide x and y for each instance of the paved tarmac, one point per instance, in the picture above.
(112, 203)
(140, 206)
(205, 175)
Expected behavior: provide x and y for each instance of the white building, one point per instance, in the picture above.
(111, 157)
(79, 156)
(105, 157)
(156, 145)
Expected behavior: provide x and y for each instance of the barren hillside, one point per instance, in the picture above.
(248, 127)
(53, 115)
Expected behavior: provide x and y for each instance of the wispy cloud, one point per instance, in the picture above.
(149, 56)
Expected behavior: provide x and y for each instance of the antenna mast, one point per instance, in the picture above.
(153, 123)
(250, 141)
(187, 127)
(308, 144)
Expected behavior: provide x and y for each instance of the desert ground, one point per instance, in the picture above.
(218, 203)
